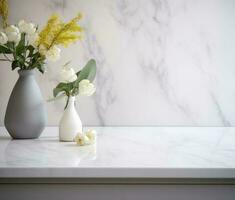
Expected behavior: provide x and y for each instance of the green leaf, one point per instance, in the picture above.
(4, 50)
(41, 68)
(21, 45)
(63, 87)
(10, 45)
(88, 72)
(31, 50)
(21, 59)
(57, 90)
(15, 64)
(75, 89)
(36, 60)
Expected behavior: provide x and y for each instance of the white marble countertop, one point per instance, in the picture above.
(123, 152)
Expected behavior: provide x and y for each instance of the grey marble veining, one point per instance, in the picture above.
(124, 152)
(160, 62)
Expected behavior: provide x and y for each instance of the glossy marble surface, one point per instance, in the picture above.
(160, 62)
(123, 152)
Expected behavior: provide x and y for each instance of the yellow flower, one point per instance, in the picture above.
(4, 12)
(56, 32)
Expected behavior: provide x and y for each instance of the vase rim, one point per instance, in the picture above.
(26, 72)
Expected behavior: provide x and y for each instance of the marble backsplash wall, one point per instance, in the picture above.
(160, 62)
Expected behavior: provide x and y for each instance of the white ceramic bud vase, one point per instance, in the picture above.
(70, 123)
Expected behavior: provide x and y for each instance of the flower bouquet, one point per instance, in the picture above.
(73, 84)
(27, 48)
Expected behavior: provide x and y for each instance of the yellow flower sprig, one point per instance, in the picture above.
(4, 12)
(56, 32)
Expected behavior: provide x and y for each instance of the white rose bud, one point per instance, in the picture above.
(91, 134)
(81, 139)
(28, 28)
(86, 88)
(11, 29)
(3, 38)
(68, 75)
(13, 34)
(53, 53)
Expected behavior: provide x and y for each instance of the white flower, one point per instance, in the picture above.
(53, 53)
(32, 39)
(11, 29)
(91, 134)
(3, 38)
(81, 139)
(13, 33)
(86, 88)
(68, 75)
(28, 28)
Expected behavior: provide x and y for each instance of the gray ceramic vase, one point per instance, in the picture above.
(25, 116)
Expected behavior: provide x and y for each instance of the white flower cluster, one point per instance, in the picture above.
(13, 34)
(68, 75)
(86, 138)
(86, 88)
(52, 54)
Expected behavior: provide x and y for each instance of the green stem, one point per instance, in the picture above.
(67, 102)
(8, 59)
(4, 60)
